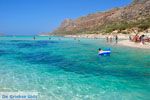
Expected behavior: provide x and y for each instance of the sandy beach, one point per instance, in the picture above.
(135, 45)
(92, 36)
(124, 42)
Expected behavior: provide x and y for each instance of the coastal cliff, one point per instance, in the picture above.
(122, 20)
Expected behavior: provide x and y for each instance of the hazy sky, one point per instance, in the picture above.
(29, 17)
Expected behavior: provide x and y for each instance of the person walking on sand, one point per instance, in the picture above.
(130, 38)
(142, 39)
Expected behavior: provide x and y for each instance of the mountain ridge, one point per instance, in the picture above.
(135, 15)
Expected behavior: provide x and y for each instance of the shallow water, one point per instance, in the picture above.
(68, 69)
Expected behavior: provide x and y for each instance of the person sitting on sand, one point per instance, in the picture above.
(100, 50)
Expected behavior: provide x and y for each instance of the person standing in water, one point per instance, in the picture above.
(110, 39)
(107, 39)
(34, 38)
(116, 39)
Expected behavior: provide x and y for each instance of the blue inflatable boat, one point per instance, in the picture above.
(107, 52)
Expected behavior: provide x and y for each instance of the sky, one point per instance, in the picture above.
(30, 17)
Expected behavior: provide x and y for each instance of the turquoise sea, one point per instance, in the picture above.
(68, 69)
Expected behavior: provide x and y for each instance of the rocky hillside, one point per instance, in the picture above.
(135, 15)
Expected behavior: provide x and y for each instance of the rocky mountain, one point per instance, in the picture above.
(135, 15)
(139, 1)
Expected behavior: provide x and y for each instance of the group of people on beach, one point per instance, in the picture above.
(111, 38)
(141, 38)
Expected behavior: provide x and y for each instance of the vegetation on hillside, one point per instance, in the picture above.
(142, 25)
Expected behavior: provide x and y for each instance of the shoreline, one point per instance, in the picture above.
(124, 42)
(123, 39)
(97, 36)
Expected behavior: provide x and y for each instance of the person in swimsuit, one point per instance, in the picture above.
(100, 50)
